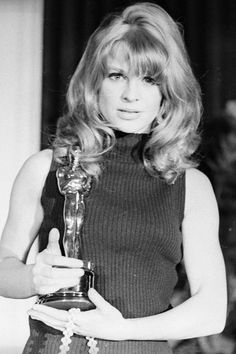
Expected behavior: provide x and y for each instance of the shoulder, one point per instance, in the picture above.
(25, 211)
(41, 159)
(199, 192)
(197, 181)
(38, 163)
(34, 171)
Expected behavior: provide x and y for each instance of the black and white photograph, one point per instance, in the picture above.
(118, 188)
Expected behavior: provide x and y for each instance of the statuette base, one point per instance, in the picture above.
(67, 300)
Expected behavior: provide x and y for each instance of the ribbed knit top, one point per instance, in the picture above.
(131, 231)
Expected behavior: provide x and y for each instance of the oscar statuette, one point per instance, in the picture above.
(74, 183)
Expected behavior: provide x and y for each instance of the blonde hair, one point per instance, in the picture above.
(151, 41)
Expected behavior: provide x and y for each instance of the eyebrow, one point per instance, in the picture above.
(116, 69)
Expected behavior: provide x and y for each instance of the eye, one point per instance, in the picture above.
(149, 80)
(116, 76)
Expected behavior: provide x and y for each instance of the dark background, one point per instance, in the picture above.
(209, 32)
(210, 35)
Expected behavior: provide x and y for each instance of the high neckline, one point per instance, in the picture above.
(129, 146)
(120, 134)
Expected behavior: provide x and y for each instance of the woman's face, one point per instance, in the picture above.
(130, 103)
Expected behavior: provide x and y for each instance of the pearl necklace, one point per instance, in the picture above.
(68, 333)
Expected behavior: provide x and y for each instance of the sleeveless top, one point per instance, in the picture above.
(131, 232)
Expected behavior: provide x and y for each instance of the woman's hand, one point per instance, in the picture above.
(104, 322)
(52, 271)
(52, 317)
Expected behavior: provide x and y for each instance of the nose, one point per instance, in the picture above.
(130, 91)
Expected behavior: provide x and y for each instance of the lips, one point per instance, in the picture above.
(127, 110)
(128, 114)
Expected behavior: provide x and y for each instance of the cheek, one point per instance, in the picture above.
(107, 99)
(102, 101)
(105, 104)
(154, 101)
(104, 94)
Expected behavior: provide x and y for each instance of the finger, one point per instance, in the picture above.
(53, 246)
(81, 330)
(82, 321)
(61, 261)
(77, 316)
(47, 286)
(98, 300)
(60, 315)
(43, 318)
(62, 273)
(48, 320)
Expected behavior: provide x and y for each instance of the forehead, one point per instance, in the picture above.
(118, 62)
(124, 61)
(135, 57)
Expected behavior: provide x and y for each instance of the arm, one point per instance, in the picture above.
(202, 314)
(24, 219)
(18, 280)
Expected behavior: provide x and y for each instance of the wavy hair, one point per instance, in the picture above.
(152, 43)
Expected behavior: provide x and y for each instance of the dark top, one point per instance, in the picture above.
(131, 232)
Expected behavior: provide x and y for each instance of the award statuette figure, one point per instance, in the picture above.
(74, 183)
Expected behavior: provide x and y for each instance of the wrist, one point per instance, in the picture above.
(128, 329)
(142, 328)
(122, 330)
(31, 284)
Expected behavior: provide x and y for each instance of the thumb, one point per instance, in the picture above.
(53, 246)
(98, 300)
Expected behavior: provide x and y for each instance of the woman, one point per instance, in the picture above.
(133, 109)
